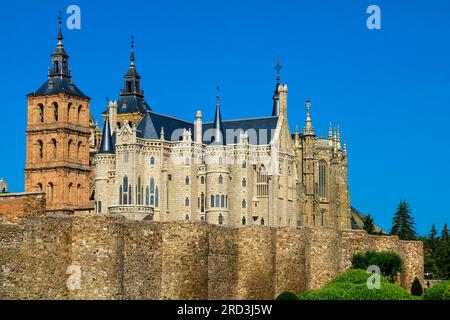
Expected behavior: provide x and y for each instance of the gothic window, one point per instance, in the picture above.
(120, 195)
(186, 202)
(125, 156)
(244, 183)
(152, 161)
(69, 148)
(139, 191)
(99, 207)
(212, 201)
(152, 185)
(40, 149)
(244, 204)
(217, 201)
(152, 200)
(186, 181)
(222, 201)
(157, 197)
(262, 185)
(130, 195)
(244, 221)
(323, 179)
(262, 221)
(41, 113)
(147, 196)
(39, 187)
(202, 180)
(69, 108)
(186, 217)
(220, 179)
(226, 201)
(221, 219)
(50, 190)
(53, 148)
(126, 196)
(55, 67)
(244, 164)
(220, 161)
(187, 161)
(55, 111)
(70, 193)
(202, 202)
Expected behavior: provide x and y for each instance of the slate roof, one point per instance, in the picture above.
(134, 103)
(151, 124)
(106, 146)
(57, 85)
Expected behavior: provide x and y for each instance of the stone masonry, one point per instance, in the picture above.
(108, 257)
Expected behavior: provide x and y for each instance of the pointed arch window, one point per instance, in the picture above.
(152, 185)
(220, 179)
(221, 220)
(220, 161)
(202, 202)
(152, 200)
(186, 181)
(53, 148)
(323, 173)
(217, 201)
(79, 150)
(212, 201)
(55, 111)
(222, 201)
(244, 204)
(157, 197)
(80, 109)
(147, 196)
(244, 164)
(244, 221)
(41, 113)
(262, 221)
(40, 149)
(50, 192)
(244, 183)
(262, 182)
(186, 202)
(202, 180)
(152, 161)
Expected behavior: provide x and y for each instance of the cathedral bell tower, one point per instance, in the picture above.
(58, 134)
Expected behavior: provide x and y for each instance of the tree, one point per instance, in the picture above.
(444, 236)
(369, 225)
(403, 224)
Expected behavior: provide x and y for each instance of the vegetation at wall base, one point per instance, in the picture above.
(390, 263)
(438, 291)
(352, 285)
(287, 296)
(437, 253)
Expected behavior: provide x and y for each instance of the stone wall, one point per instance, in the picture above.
(106, 257)
(22, 204)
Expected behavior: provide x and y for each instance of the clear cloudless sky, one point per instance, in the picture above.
(388, 89)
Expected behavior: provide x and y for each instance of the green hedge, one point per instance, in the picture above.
(437, 291)
(287, 296)
(390, 263)
(352, 285)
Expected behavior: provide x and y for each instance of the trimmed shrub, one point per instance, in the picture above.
(352, 285)
(446, 295)
(416, 288)
(390, 263)
(437, 291)
(287, 296)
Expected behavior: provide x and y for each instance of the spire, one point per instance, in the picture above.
(309, 130)
(219, 137)
(276, 96)
(330, 132)
(106, 146)
(339, 138)
(60, 36)
(132, 51)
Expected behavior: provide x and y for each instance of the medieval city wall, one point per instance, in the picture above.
(105, 257)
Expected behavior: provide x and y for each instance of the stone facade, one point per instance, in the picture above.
(107, 257)
(22, 204)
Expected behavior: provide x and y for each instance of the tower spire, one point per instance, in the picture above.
(132, 50)
(309, 130)
(219, 137)
(60, 36)
(276, 96)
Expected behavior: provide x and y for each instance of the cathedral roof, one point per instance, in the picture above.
(151, 124)
(132, 104)
(59, 85)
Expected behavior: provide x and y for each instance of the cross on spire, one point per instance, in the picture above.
(60, 36)
(278, 68)
(132, 49)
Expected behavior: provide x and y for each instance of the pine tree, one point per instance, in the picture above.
(403, 224)
(444, 236)
(369, 225)
(433, 239)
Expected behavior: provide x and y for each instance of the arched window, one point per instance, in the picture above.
(220, 161)
(78, 198)
(244, 204)
(186, 217)
(55, 111)
(220, 219)
(139, 191)
(152, 185)
(55, 67)
(41, 113)
(125, 156)
(80, 109)
(186, 202)
(152, 161)
(244, 164)
(187, 161)
(262, 182)
(126, 196)
(244, 183)
(53, 148)
(212, 201)
(39, 187)
(152, 200)
(99, 207)
(202, 202)
(262, 221)
(244, 221)
(69, 109)
(79, 150)
(147, 196)
(220, 179)
(120, 195)
(70, 194)
(202, 180)
(217, 201)
(50, 194)
(70, 148)
(186, 181)
(226, 201)
(40, 149)
(222, 201)
(157, 197)
(322, 179)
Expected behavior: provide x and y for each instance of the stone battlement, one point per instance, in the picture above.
(106, 257)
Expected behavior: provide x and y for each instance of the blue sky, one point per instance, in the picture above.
(388, 89)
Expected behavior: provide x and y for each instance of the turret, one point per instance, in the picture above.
(198, 127)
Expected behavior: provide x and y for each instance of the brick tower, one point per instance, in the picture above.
(58, 138)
